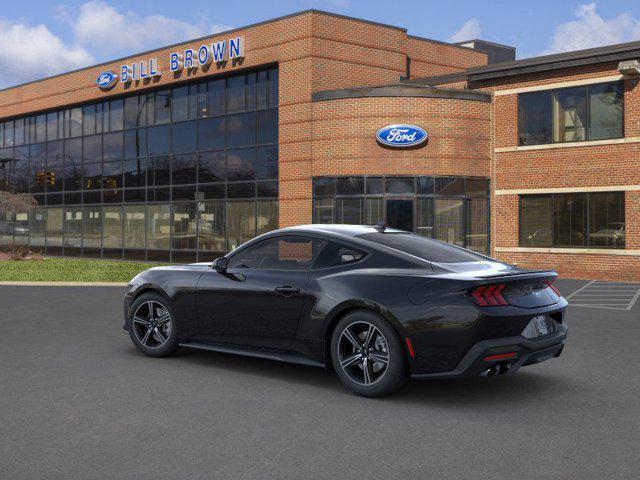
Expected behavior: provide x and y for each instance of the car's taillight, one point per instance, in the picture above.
(550, 285)
(488, 295)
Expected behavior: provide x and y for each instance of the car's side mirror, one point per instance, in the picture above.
(220, 264)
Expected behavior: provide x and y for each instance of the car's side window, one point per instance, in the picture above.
(334, 254)
(279, 253)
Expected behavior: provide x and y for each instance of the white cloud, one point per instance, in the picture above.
(97, 31)
(107, 31)
(29, 52)
(469, 31)
(591, 30)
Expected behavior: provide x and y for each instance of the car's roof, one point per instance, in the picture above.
(337, 229)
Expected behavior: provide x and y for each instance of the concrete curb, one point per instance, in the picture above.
(64, 284)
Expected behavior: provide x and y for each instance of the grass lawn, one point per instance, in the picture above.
(70, 270)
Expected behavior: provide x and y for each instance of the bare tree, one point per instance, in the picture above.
(16, 202)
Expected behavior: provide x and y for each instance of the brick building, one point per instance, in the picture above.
(185, 152)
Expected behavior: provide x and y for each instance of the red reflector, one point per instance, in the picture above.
(409, 346)
(500, 356)
(550, 285)
(489, 296)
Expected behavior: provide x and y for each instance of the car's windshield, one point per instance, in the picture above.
(425, 248)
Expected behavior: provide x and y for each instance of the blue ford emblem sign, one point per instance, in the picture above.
(106, 80)
(401, 136)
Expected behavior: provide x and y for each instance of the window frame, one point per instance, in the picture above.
(334, 197)
(552, 92)
(587, 223)
(278, 237)
(365, 255)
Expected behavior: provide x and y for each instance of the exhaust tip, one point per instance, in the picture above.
(496, 369)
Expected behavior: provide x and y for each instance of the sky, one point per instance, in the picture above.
(39, 38)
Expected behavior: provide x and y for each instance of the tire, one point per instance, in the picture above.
(157, 337)
(374, 335)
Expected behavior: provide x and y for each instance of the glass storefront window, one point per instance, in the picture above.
(184, 137)
(591, 112)
(134, 225)
(211, 235)
(21, 228)
(158, 226)
(433, 207)
(112, 227)
(606, 110)
(594, 220)
(323, 210)
(570, 213)
(37, 226)
(184, 226)
(449, 225)
(158, 140)
(374, 213)
(477, 231)
(241, 130)
(267, 219)
(211, 133)
(424, 217)
(570, 115)
(241, 223)
(92, 227)
(215, 97)
(212, 167)
(350, 186)
(606, 220)
(116, 115)
(99, 167)
(6, 228)
(400, 185)
(241, 164)
(349, 211)
(180, 104)
(235, 94)
(73, 227)
(161, 106)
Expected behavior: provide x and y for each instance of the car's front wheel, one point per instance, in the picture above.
(367, 354)
(152, 326)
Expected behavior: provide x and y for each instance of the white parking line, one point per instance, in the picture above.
(634, 300)
(579, 290)
(612, 296)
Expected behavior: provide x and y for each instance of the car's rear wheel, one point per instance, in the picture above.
(367, 354)
(152, 326)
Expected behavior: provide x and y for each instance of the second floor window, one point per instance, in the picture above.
(577, 114)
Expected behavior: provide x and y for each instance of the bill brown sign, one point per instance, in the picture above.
(189, 59)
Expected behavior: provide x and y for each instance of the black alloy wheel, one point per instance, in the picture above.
(367, 354)
(152, 327)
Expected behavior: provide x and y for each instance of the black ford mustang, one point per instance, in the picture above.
(376, 305)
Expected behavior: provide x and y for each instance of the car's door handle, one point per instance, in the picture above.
(287, 290)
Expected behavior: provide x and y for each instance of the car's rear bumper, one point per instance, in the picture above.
(527, 352)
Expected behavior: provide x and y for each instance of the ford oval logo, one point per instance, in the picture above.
(106, 80)
(401, 136)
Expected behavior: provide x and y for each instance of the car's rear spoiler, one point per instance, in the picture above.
(520, 275)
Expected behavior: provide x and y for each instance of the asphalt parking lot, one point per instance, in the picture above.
(78, 401)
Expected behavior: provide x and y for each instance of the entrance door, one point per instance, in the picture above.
(400, 214)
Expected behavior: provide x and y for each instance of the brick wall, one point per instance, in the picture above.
(344, 143)
(315, 51)
(429, 58)
(564, 167)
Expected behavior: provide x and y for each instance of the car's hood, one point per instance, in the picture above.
(187, 266)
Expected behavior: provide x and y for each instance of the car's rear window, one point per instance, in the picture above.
(425, 248)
